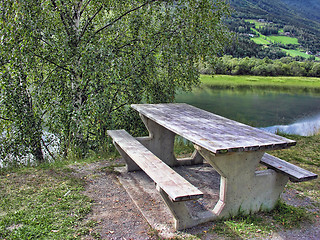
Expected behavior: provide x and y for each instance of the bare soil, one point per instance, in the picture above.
(113, 210)
(117, 216)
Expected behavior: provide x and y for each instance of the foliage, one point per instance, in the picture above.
(308, 8)
(263, 67)
(244, 46)
(78, 65)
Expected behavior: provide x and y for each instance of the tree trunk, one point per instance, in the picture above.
(37, 150)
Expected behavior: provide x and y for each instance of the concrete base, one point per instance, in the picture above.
(143, 192)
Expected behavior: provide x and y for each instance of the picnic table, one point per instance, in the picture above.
(233, 149)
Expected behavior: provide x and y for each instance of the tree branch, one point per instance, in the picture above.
(6, 119)
(120, 106)
(46, 147)
(84, 8)
(123, 15)
(88, 22)
(112, 102)
(52, 62)
(49, 74)
(62, 17)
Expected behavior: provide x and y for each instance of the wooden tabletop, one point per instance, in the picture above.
(210, 131)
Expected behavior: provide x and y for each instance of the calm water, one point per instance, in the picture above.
(290, 112)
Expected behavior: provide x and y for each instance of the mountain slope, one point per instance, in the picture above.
(267, 21)
(306, 8)
(282, 11)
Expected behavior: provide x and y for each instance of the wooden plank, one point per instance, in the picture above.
(295, 173)
(210, 131)
(171, 182)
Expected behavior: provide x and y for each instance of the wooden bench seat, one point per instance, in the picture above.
(176, 187)
(295, 173)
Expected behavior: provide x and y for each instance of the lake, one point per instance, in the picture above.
(289, 111)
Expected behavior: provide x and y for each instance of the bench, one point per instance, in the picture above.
(295, 173)
(169, 181)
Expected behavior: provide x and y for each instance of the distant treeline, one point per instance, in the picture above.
(285, 66)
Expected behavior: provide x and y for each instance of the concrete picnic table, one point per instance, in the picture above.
(233, 149)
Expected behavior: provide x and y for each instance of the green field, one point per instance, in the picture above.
(267, 40)
(295, 53)
(257, 24)
(260, 81)
(283, 39)
(260, 40)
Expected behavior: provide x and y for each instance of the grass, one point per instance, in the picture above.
(262, 225)
(305, 154)
(267, 40)
(295, 53)
(283, 39)
(257, 24)
(44, 202)
(230, 81)
(260, 40)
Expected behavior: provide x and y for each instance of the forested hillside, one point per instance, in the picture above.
(275, 28)
(306, 8)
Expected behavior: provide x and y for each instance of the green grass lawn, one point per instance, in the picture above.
(268, 39)
(39, 203)
(260, 81)
(283, 39)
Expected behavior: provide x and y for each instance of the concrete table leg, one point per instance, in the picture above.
(161, 143)
(242, 188)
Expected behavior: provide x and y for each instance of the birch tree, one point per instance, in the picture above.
(78, 64)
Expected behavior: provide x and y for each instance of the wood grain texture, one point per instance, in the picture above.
(295, 173)
(217, 134)
(177, 188)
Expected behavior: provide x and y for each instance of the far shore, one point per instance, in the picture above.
(311, 83)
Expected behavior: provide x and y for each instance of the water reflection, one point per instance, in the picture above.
(303, 127)
(294, 111)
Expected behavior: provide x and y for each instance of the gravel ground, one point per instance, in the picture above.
(113, 209)
(118, 217)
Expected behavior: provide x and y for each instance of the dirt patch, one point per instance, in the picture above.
(117, 216)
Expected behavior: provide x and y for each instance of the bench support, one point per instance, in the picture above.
(161, 143)
(242, 189)
(130, 164)
(181, 214)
